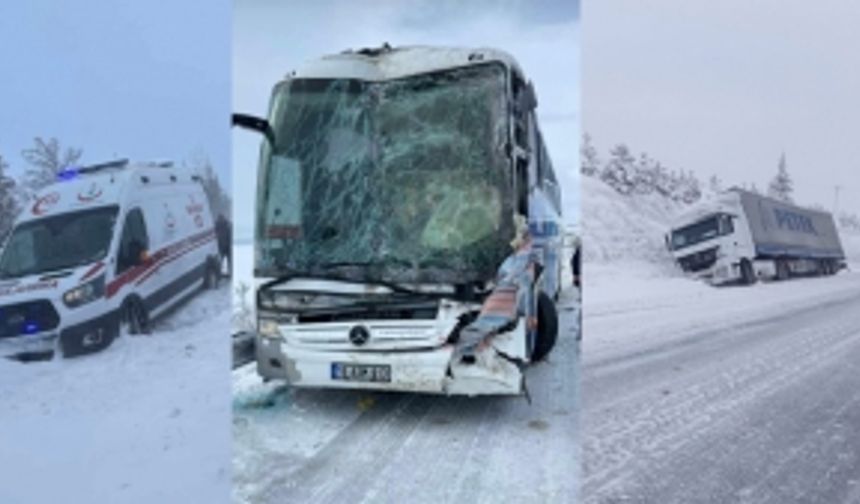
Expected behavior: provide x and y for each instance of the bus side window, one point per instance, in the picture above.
(522, 187)
(539, 156)
(521, 127)
(134, 241)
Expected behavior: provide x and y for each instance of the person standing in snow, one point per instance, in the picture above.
(575, 264)
(223, 234)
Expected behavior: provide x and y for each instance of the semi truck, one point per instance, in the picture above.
(741, 237)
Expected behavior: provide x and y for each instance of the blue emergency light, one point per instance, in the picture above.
(68, 173)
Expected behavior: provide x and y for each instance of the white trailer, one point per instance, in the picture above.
(742, 236)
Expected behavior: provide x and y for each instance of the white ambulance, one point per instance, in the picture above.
(107, 247)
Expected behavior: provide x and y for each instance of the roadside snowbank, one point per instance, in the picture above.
(144, 421)
(624, 228)
(243, 276)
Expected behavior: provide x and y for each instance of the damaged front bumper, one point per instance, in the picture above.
(490, 370)
(723, 271)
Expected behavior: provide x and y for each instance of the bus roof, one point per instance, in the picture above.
(386, 62)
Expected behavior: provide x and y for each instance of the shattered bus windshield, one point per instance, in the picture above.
(403, 180)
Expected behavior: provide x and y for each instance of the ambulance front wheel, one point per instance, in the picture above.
(211, 276)
(135, 318)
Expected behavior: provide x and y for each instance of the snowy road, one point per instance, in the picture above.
(348, 446)
(145, 421)
(694, 394)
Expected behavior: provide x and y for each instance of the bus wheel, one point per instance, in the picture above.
(547, 327)
(134, 317)
(747, 273)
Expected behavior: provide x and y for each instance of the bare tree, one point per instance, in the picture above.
(46, 159)
(9, 206)
(219, 198)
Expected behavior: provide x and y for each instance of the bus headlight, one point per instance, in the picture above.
(268, 328)
(85, 293)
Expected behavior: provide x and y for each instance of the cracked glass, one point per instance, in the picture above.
(404, 180)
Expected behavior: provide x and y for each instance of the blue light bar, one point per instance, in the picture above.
(68, 173)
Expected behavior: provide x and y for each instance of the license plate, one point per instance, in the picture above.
(360, 372)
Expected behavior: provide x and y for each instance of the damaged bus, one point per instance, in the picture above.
(407, 224)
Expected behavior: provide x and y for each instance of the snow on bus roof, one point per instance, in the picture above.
(388, 62)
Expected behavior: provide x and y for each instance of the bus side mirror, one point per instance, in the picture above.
(255, 123)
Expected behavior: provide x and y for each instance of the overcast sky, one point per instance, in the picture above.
(724, 87)
(272, 38)
(145, 80)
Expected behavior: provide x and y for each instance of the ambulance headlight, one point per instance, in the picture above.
(86, 293)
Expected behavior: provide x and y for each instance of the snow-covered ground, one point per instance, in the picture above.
(354, 446)
(243, 275)
(701, 394)
(145, 421)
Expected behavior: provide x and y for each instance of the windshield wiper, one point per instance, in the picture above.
(385, 261)
(394, 287)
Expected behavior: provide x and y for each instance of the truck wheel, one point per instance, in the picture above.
(135, 319)
(547, 327)
(781, 270)
(747, 274)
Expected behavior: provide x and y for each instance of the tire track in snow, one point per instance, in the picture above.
(668, 409)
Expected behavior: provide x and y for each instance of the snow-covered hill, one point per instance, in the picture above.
(624, 228)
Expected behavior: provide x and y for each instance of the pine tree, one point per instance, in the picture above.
(644, 177)
(8, 201)
(662, 180)
(715, 184)
(691, 189)
(618, 172)
(47, 159)
(781, 186)
(590, 162)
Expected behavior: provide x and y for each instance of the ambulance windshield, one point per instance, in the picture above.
(58, 242)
